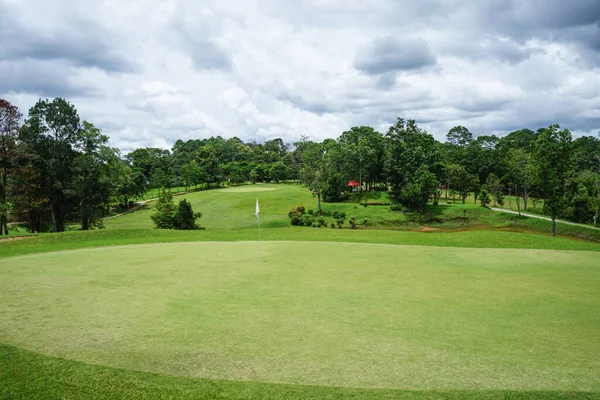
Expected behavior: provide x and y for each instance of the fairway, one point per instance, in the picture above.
(315, 313)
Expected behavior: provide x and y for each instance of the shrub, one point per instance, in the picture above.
(332, 225)
(164, 217)
(339, 215)
(499, 197)
(310, 211)
(352, 223)
(484, 198)
(185, 217)
(396, 207)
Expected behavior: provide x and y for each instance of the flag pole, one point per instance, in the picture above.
(259, 238)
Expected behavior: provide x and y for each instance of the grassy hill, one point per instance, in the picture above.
(233, 208)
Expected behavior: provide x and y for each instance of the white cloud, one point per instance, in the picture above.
(153, 71)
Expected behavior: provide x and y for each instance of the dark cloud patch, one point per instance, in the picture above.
(388, 54)
(42, 78)
(79, 41)
(317, 107)
(208, 55)
(551, 20)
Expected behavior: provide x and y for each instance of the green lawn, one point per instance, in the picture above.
(331, 314)
(231, 208)
(482, 305)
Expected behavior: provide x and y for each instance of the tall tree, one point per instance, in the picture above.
(461, 180)
(52, 133)
(356, 146)
(410, 149)
(313, 172)
(94, 183)
(553, 158)
(521, 170)
(9, 128)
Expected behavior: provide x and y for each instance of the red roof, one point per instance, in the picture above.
(353, 183)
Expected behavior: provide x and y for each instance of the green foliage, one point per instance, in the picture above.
(166, 211)
(484, 198)
(499, 198)
(170, 216)
(396, 207)
(413, 157)
(185, 217)
(553, 161)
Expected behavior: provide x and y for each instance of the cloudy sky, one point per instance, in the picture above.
(150, 71)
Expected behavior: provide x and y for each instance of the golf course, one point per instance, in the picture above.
(131, 312)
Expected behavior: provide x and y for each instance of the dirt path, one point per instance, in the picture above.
(559, 221)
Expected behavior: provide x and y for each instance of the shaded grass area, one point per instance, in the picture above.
(26, 375)
(471, 239)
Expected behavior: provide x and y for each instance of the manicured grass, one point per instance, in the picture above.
(332, 314)
(467, 239)
(27, 375)
(474, 310)
(231, 208)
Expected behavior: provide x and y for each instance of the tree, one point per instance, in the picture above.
(521, 169)
(313, 171)
(209, 162)
(493, 186)
(484, 198)
(9, 128)
(279, 171)
(553, 158)
(357, 151)
(411, 151)
(499, 198)
(166, 211)
(461, 180)
(94, 182)
(52, 134)
(424, 186)
(185, 217)
(192, 173)
(459, 136)
(131, 182)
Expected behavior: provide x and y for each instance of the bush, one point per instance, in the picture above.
(484, 198)
(310, 211)
(339, 215)
(396, 207)
(499, 197)
(185, 217)
(374, 203)
(332, 225)
(352, 223)
(164, 217)
(169, 216)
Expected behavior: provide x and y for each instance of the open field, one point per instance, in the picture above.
(332, 314)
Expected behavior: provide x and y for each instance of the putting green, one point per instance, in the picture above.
(338, 314)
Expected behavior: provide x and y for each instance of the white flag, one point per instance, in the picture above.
(257, 210)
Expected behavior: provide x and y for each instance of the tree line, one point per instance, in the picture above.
(57, 169)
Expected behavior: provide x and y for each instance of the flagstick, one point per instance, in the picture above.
(259, 240)
(257, 213)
